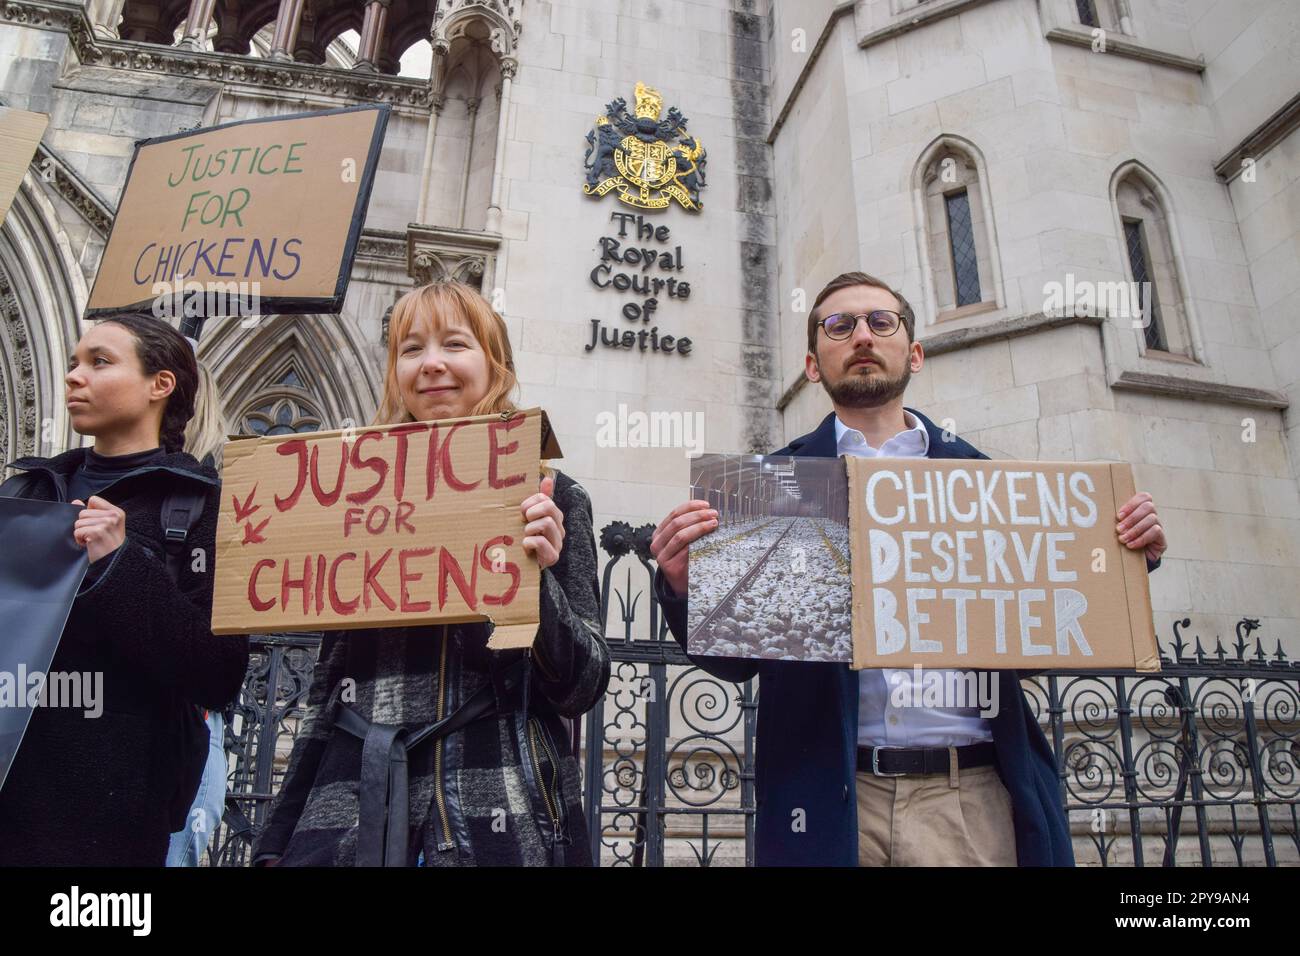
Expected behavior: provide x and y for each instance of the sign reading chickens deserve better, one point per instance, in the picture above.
(995, 564)
(248, 218)
(895, 562)
(400, 525)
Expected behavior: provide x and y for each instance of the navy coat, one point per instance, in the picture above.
(806, 751)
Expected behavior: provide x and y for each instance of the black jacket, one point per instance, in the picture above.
(96, 791)
(808, 732)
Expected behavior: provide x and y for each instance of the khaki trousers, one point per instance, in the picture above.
(960, 818)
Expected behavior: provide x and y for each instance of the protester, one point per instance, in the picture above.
(109, 790)
(205, 437)
(843, 776)
(364, 785)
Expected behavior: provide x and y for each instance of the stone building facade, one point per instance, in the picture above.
(1182, 125)
(1012, 165)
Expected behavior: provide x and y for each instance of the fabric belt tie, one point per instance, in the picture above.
(385, 794)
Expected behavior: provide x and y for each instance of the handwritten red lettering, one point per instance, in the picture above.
(508, 567)
(406, 577)
(255, 602)
(339, 606)
(496, 450)
(448, 566)
(399, 466)
(452, 480)
(320, 582)
(370, 582)
(383, 519)
(287, 584)
(375, 463)
(327, 499)
(295, 446)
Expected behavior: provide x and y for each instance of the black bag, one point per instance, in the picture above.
(181, 511)
(41, 568)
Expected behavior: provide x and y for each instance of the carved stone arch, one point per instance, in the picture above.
(470, 67)
(497, 21)
(461, 81)
(334, 22)
(409, 24)
(1135, 187)
(172, 16)
(338, 377)
(953, 164)
(41, 296)
(253, 19)
(464, 150)
(151, 21)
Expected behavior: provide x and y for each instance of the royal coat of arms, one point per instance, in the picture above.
(637, 155)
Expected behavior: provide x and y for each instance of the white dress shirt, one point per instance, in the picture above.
(880, 723)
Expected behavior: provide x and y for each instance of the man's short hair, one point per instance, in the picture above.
(847, 280)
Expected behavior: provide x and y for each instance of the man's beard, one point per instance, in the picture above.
(867, 391)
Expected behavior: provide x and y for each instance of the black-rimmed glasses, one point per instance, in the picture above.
(840, 325)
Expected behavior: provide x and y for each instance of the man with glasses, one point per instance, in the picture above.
(843, 776)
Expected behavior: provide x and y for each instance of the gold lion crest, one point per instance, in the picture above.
(650, 161)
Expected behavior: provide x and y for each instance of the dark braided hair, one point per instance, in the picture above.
(159, 347)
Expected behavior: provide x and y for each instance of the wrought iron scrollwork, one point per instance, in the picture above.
(1199, 762)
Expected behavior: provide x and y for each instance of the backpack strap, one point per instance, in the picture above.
(181, 510)
(20, 485)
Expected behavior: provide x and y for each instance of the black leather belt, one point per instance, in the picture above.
(898, 761)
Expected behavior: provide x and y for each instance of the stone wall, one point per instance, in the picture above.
(1052, 124)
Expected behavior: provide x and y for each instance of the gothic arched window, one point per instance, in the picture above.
(958, 242)
(284, 407)
(1148, 251)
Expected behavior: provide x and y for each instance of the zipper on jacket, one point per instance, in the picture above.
(550, 795)
(446, 842)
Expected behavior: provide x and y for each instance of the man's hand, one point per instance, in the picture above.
(543, 525)
(670, 545)
(1139, 526)
(100, 527)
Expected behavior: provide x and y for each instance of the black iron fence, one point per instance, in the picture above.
(1196, 765)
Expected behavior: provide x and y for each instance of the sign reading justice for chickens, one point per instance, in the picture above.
(894, 562)
(387, 526)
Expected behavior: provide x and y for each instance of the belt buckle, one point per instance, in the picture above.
(875, 763)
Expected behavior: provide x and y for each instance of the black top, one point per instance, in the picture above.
(98, 471)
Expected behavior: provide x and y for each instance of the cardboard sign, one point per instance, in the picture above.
(896, 562)
(392, 526)
(262, 214)
(995, 564)
(21, 133)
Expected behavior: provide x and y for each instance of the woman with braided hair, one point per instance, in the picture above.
(110, 788)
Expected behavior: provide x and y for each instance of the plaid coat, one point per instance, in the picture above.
(504, 790)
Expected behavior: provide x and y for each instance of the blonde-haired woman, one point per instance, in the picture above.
(207, 431)
(447, 753)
